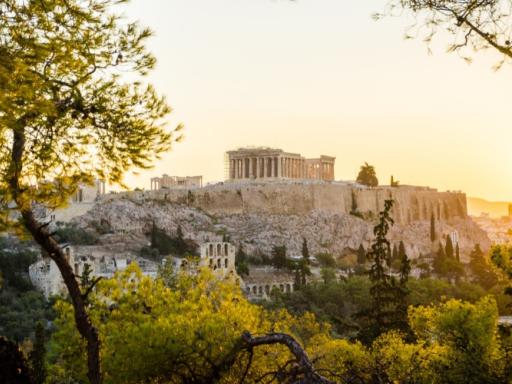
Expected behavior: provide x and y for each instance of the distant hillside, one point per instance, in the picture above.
(495, 208)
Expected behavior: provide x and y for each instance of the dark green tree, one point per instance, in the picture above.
(279, 260)
(438, 265)
(401, 251)
(38, 355)
(382, 313)
(481, 271)
(457, 252)
(241, 261)
(361, 255)
(394, 253)
(449, 248)
(353, 203)
(304, 271)
(328, 275)
(432, 228)
(367, 176)
(402, 291)
(305, 250)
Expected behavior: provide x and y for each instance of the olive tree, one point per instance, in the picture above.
(68, 115)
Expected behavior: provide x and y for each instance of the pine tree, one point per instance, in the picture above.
(241, 263)
(401, 251)
(353, 207)
(480, 268)
(432, 228)
(439, 261)
(361, 255)
(395, 253)
(304, 271)
(37, 356)
(298, 281)
(449, 248)
(402, 292)
(382, 291)
(305, 250)
(279, 257)
(457, 252)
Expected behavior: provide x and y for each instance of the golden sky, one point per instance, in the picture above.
(321, 77)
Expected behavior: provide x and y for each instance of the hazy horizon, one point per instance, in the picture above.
(318, 77)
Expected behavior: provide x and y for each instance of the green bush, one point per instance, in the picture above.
(73, 234)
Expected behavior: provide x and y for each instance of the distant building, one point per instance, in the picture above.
(218, 256)
(263, 280)
(89, 193)
(169, 182)
(46, 277)
(271, 163)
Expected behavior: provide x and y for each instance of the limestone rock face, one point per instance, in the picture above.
(300, 198)
(261, 216)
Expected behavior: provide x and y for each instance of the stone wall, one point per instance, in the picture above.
(411, 203)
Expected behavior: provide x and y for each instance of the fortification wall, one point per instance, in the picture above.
(411, 203)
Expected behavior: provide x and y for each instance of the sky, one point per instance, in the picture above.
(322, 77)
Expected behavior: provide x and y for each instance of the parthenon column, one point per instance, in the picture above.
(279, 167)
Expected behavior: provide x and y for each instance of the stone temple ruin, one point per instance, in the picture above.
(270, 163)
(167, 182)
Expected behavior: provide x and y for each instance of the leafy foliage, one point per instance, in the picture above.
(21, 307)
(149, 324)
(37, 355)
(480, 269)
(73, 234)
(326, 260)
(170, 245)
(367, 176)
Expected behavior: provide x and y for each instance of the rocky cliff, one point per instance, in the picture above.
(263, 215)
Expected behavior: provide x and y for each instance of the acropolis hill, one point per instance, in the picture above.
(272, 197)
(301, 197)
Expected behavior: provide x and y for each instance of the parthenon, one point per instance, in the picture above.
(271, 163)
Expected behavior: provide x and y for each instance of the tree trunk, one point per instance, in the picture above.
(305, 364)
(43, 237)
(82, 320)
